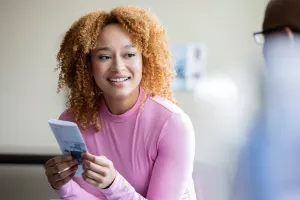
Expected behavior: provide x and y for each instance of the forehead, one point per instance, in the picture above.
(114, 34)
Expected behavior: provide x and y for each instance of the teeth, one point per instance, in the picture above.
(118, 79)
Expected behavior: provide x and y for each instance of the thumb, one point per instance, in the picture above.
(88, 156)
(102, 161)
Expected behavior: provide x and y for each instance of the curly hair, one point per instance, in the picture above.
(147, 35)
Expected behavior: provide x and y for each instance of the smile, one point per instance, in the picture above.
(118, 79)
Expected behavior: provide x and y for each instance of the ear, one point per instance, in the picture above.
(290, 33)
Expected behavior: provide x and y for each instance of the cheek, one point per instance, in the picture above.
(98, 71)
(135, 67)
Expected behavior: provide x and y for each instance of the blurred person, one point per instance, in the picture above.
(269, 165)
(117, 66)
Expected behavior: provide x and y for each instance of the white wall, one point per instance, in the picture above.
(29, 38)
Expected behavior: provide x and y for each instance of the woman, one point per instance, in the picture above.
(118, 68)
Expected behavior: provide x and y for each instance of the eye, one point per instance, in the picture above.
(129, 55)
(103, 57)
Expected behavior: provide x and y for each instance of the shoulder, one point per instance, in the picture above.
(66, 116)
(176, 130)
(163, 106)
(175, 119)
(170, 127)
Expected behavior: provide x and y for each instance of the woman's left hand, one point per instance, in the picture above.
(98, 170)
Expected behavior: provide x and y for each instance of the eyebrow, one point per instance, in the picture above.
(109, 49)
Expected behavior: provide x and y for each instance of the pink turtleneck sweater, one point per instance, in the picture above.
(152, 151)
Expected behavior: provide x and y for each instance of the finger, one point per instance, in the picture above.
(60, 176)
(94, 176)
(90, 181)
(100, 160)
(88, 165)
(59, 184)
(88, 156)
(61, 167)
(58, 159)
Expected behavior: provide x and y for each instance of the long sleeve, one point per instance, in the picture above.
(171, 177)
(72, 191)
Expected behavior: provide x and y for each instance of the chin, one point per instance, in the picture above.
(119, 94)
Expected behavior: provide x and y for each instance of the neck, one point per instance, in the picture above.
(120, 106)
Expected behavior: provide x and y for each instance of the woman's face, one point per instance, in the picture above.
(116, 64)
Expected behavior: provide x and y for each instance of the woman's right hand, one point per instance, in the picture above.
(60, 170)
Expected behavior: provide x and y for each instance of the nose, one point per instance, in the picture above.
(117, 64)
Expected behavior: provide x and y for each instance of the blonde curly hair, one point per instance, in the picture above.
(148, 36)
